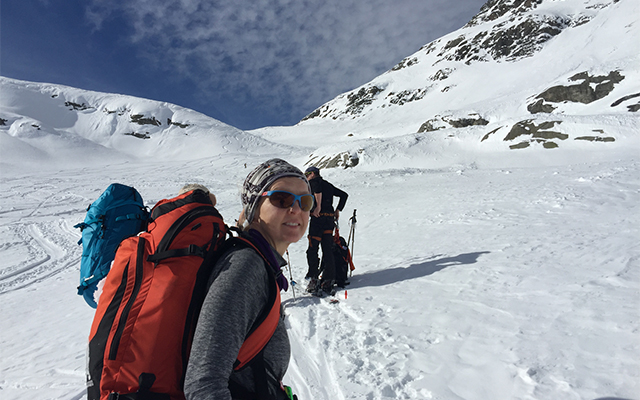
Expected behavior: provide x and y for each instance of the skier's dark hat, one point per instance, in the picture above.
(312, 169)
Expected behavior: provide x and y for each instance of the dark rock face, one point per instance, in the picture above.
(596, 138)
(524, 39)
(437, 123)
(520, 35)
(340, 160)
(464, 122)
(178, 124)
(494, 9)
(631, 107)
(590, 89)
(364, 97)
(540, 107)
(528, 127)
(583, 92)
(406, 96)
(407, 62)
(138, 135)
(141, 120)
(429, 127)
(538, 133)
(77, 107)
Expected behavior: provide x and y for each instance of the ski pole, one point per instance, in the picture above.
(293, 283)
(352, 232)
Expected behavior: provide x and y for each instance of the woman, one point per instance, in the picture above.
(276, 200)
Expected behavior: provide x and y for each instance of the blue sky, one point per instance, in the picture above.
(247, 63)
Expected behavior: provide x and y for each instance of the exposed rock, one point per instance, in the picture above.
(540, 107)
(520, 145)
(539, 133)
(121, 111)
(429, 126)
(583, 92)
(631, 107)
(429, 48)
(485, 137)
(178, 124)
(3, 122)
(441, 74)
(141, 120)
(407, 62)
(76, 106)
(357, 101)
(596, 138)
(438, 122)
(138, 135)
(623, 99)
(406, 96)
(524, 39)
(528, 127)
(341, 160)
(494, 9)
(464, 122)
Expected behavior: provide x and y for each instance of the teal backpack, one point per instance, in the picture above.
(117, 214)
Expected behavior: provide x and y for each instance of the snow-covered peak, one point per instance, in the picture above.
(521, 73)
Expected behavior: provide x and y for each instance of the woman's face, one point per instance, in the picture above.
(282, 226)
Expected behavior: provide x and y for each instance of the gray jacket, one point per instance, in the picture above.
(234, 300)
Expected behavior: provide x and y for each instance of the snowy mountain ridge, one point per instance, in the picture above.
(60, 122)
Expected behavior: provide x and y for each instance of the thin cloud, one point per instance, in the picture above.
(282, 56)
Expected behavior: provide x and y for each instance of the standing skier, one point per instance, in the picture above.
(323, 218)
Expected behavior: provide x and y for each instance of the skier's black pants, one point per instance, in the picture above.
(321, 235)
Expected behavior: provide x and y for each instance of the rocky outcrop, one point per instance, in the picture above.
(406, 96)
(590, 89)
(138, 135)
(631, 107)
(439, 122)
(178, 124)
(341, 160)
(539, 133)
(142, 120)
(407, 62)
(77, 107)
(356, 102)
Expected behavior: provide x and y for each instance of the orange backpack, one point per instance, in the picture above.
(143, 327)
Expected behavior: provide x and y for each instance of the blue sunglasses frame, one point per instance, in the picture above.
(296, 197)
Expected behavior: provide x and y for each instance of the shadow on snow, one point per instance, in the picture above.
(388, 276)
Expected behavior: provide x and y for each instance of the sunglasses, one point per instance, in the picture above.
(282, 199)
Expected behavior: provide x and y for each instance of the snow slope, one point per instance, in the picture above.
(517, 283)
(483, 271)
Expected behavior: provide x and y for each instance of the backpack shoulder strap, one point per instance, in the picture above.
(267, 321)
